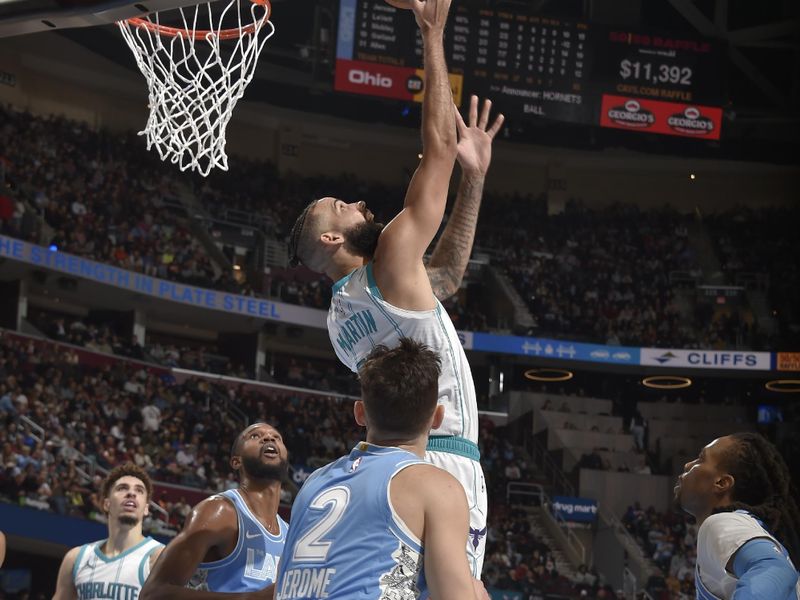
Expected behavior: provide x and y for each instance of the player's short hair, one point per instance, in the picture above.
(303, 237)
(127, 470)
(400, 387)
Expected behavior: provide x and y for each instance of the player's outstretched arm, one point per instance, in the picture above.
(399, 271)
(450, 257)
(212, 524)
(65, 584)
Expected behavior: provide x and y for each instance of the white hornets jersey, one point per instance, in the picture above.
(120, 577)
(360, 319)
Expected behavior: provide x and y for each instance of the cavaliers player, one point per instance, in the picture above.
(231, 544)
(381, 522)
(740, 492)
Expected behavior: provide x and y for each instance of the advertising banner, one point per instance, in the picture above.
(388, 81)
(579, 510)
(706, 359)
(188, 295)
(158, 288)
(654, 116)
(562, 349)
(788, 361)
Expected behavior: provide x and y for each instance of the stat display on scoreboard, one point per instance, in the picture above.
(531, 65)
(536, 67)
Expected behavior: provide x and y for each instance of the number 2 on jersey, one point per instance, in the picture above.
(311, 547)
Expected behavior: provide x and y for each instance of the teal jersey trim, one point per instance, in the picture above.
(101, 555)
(142, 564)
(373, 286)
(454, 444)
(78, 562)
(342, 282)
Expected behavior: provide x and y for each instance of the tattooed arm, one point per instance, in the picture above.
(450, 257)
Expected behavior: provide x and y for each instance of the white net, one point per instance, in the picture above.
(196, 72)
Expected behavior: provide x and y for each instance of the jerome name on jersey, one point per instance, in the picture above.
(306, 583)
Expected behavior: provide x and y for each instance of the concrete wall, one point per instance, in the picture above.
(614, 492)
(583, 441)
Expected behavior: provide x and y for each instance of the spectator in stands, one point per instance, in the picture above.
(600, 274)
(638, 429)
(584, 579)
(663, 538)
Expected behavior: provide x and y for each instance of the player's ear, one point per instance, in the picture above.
(106, 505)
(331, 238)
(724, 484)
(359, 413)
(236, 462)
(147, 508)
(438, 417)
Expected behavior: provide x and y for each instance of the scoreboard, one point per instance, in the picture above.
(536, 67)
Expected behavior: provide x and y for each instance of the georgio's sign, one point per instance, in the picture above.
(654, 116)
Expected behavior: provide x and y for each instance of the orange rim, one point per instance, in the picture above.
(201, 34)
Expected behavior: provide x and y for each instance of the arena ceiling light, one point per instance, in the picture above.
(784, 386)
(666, 382)
(549, 375)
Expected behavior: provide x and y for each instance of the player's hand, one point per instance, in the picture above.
(480, 591)
(475, 140)
(431, 15)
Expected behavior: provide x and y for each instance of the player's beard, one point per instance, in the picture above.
(362, 239)
(257, 469)
(128, 520)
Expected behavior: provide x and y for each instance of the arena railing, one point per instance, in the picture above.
(525, 490)
(567, 536)
(631, 589)
(94, 468)
(35, 426)
(559, 524)
(556, 475)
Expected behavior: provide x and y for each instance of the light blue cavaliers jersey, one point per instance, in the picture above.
(97, 576)
(359, 319)
(719, 538)
(253, 564)
(346, 542)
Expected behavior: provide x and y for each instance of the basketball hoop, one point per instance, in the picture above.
(194, 80)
